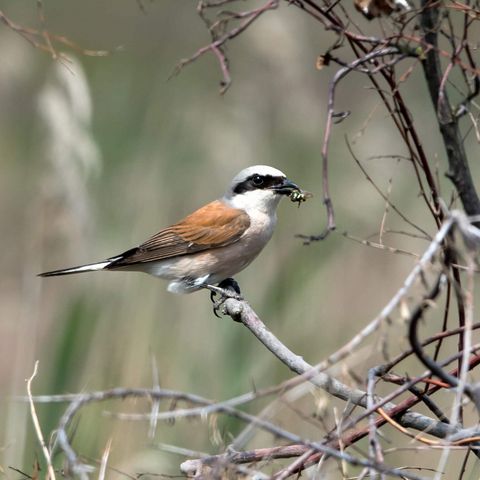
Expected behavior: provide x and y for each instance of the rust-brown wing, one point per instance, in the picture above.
(212, 226)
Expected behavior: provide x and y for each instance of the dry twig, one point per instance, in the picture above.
(36, 424)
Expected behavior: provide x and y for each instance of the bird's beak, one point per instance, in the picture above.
(286, 187)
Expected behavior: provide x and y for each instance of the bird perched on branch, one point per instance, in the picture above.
(213, 243)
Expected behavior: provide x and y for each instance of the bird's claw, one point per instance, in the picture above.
(227, 288)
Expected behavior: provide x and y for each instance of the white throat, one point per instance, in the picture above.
(255, 201)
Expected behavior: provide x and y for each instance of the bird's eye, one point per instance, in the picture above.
(257, 180)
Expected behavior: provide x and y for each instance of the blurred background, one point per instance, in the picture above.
(100, 152)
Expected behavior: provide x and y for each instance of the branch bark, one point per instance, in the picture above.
(458, 168)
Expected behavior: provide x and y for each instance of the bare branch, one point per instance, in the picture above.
(35, 37)
(36, 424)
(218, 41)
(459, 170)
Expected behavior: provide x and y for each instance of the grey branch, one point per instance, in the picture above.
(82, 470)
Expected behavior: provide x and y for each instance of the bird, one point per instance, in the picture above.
(213, 243)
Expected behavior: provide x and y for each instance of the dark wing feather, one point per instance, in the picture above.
(212, 226)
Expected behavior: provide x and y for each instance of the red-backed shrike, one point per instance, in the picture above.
(213, 243)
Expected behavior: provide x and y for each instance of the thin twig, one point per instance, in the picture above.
(34, 37)
(36, 424)
(103, 464)
(381, 52)
(218, 43)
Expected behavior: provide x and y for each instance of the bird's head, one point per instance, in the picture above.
(259, 187)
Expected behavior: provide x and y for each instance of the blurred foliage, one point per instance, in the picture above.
(164, 147)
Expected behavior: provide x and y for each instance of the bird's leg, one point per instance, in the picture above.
(227, 288)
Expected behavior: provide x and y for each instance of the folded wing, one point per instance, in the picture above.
(212, 226)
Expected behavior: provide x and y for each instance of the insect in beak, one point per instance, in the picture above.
(300, 196)
(293, 191)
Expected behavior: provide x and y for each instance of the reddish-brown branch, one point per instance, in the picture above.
(217, 44)
(328, 132)
(35, 37)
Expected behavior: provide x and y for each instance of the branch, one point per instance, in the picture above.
(42, 39)
(242, 312)
(457, 437)
(218, 42)
(459, 170)
(431, 364)
(80, 400)
(366, 59)
(36, 424)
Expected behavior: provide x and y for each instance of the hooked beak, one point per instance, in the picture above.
(286, 187)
